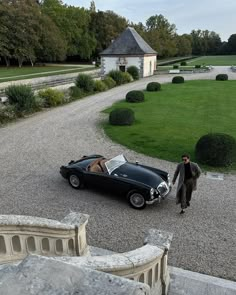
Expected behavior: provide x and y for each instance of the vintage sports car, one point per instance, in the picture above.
(140, 184)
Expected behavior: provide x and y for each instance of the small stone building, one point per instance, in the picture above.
(129, 49)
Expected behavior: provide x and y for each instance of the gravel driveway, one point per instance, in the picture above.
(32, 150)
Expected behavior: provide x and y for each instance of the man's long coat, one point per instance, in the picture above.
(196, 171)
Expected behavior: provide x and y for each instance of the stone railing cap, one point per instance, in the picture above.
(158, 238)
(21, 220)
(75, 218)
(119, 261)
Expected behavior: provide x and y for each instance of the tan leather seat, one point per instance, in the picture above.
(94, 166)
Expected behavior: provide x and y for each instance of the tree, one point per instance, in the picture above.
(106, 26)
(232, 44)
(73, 23)
(160, 34)
(21, 27)
(5, 19)
(183, 43)
(52, 45)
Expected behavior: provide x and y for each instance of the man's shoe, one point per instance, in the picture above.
(188, 204)
(182, 212)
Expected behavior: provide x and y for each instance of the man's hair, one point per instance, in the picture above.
(186, 156)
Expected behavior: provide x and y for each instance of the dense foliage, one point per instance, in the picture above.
(49, 30)
(178, 80)
(109, 82)
(51, 97)
(85, 82)
(216, 149)
(121, 116)
(22, 97)
(153, 86)
(100, 86)
(135, 96)
(134, 72)
(222, 77)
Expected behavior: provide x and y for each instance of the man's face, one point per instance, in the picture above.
(185, 160)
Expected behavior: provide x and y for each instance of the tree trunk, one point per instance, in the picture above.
(31, 61)
(20, 62)
(7, 61)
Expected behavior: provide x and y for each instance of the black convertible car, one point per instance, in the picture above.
(140, 184)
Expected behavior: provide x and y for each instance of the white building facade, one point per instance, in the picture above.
(129, 49)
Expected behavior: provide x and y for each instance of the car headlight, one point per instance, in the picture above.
(152, 191)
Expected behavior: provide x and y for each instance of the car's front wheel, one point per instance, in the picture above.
(136, 200)
(75, 181)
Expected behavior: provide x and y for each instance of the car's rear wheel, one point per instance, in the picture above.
(75, 181)
(136, 200)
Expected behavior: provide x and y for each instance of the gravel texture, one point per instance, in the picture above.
(33, 149)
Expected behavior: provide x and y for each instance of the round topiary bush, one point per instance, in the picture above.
(121, 116)
(175, 66)
(216, 149)
(153, 86)
(183, 63)
(222, 77)
(134, 72)
(178, 80)
(135, 96)
(85, 82)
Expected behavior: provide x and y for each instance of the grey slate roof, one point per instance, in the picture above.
(129, 43)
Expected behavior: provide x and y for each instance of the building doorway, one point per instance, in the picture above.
(122, 68)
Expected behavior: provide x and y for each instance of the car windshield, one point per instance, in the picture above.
(115, 163)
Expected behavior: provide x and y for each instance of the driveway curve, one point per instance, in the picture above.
(32, 150)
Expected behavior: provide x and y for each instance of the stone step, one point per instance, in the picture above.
(184, 282)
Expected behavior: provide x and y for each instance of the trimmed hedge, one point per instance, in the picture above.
(134, 72)
(222, 77)
(22, 96)
(109, 82)
(85, 82)
(197, 66)
(153, 86)
(121, 116)
(175, 66)
(51, 97)
(183, 63)
(178, 80)
(216, 149)
(135, 96)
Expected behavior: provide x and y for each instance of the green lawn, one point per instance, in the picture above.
(217, 60)
(15, 73)
(171, 121)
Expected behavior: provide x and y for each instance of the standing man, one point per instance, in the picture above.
(188, 173)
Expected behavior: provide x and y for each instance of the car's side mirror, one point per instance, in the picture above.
(136, 162)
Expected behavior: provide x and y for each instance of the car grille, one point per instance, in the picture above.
(163, 189)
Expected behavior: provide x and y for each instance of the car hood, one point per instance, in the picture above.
(138, 173)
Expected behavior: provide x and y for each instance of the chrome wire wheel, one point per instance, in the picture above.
(74, 181)
(137, 200)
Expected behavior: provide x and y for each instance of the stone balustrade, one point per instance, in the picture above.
(23, 235)
(147, 264)
(65, 240)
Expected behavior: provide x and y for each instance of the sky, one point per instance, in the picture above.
(213, 15)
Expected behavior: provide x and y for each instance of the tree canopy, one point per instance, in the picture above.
(49, 30)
